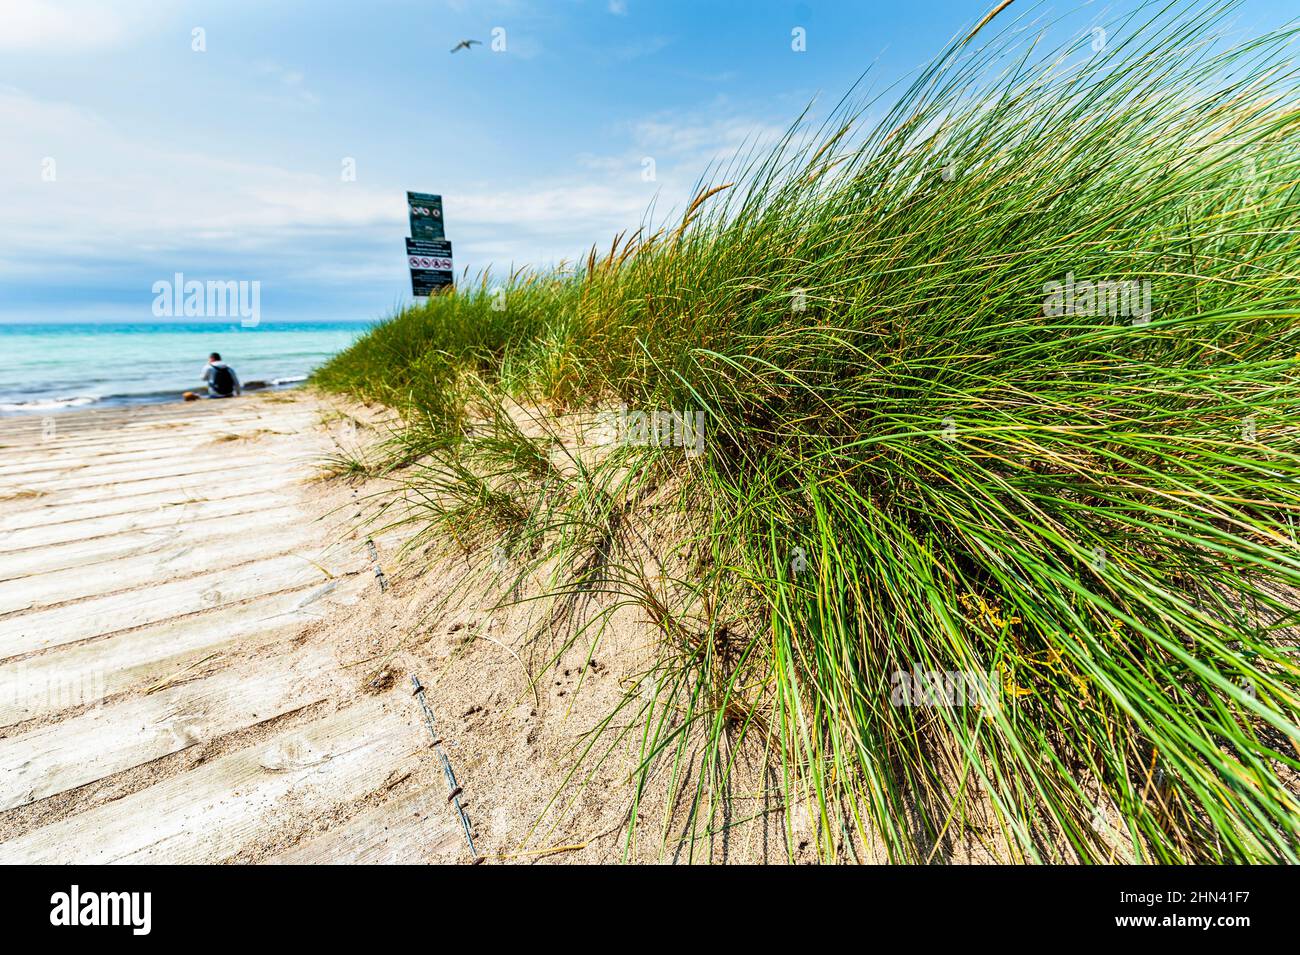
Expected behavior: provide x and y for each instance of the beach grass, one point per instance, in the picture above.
(989, 538)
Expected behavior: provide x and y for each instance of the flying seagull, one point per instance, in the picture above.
(465, 45)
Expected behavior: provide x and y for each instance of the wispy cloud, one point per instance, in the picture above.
(643, 47)
(702, 138)
(288, 84)
(683, 145)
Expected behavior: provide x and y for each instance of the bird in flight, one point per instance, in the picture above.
(465, 45)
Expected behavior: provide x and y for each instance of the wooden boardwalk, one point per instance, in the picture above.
(161, 696)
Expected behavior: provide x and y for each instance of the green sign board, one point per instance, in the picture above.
(426, 215)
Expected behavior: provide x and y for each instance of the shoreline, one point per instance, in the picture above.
(57, 367)
(82, 403)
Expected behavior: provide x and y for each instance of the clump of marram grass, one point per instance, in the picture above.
(936, 445)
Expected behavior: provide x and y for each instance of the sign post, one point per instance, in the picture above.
(428, 252)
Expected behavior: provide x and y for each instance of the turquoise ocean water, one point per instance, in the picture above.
(57, 367)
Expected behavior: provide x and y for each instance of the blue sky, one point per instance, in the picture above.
(227, 163)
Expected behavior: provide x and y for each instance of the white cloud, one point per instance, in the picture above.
(618, 7)
(603, 204)
(125, 206)
(684, 146)
(118, 204)
(67, 27)
(699, 137)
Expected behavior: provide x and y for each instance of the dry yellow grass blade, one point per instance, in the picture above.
(539, 853)
(703, 197)
(992, 13)
(176, 677)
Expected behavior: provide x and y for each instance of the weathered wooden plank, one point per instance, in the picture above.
(42, 514)
(189, 473)
(113, 447)
(38, 560)
(109, 739)
(91, 423)
(44, 535)
(212, 811)
(87, 475)
(416, 829)
(83, 674)
(185, 557)
(43, 629)
(29, 500)
(56, 459)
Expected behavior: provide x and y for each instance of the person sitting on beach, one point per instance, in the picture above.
(221, 378)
